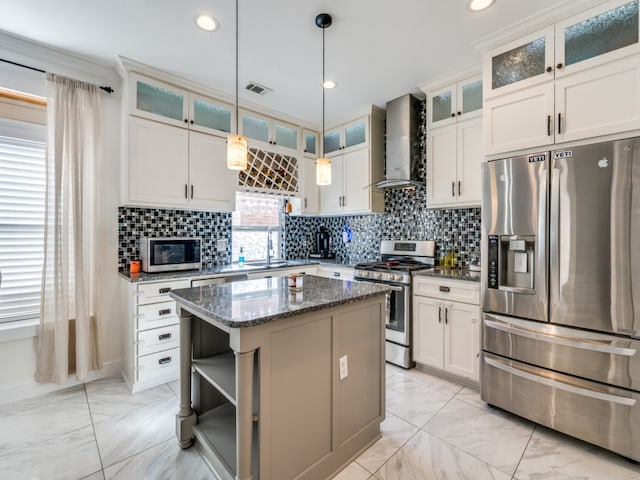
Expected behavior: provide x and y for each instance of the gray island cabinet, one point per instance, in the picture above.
(278, 384)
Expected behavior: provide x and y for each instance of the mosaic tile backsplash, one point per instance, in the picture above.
(406, 217)
(134, 223)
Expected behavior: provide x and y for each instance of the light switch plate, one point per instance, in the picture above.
(344, 369)
(221, 244)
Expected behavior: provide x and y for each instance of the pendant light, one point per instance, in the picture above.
(236, 143)
(323, 164)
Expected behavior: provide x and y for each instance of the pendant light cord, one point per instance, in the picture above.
(237, 114)
(322, 139)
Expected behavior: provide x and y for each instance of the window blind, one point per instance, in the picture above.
(22, 194)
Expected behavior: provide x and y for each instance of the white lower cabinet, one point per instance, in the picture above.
(332, 271)
(446, 326)
(152, 337)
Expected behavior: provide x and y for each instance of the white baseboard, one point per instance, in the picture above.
(22, 390)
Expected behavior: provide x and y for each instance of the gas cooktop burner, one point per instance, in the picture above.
(393, 265)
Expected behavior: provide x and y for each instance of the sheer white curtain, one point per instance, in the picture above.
(70, 333)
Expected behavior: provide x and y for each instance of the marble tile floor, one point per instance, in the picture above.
(435, 429)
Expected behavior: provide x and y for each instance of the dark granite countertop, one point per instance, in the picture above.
(253, 302)
(450, 274)
(218, 270)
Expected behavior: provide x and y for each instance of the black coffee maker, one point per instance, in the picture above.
(323, 244)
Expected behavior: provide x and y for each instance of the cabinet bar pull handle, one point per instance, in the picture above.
(305, 203)
(442, 288)
(559, 124)
(548, 125)
(336, 274)
(439, 313)
(164, 361)
(191, 192)
(166, 311)
(459, 182)
(453, 189)
(164, 336)
(186, 190)
(164, 290)
(446, 315)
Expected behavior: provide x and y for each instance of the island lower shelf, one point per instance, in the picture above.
(267, 401)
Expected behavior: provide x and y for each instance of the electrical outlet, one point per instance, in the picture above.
(344, 369)
(221, 244)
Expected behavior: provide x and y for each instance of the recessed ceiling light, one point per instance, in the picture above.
(329, 84)
(477, 5)
(207, 22)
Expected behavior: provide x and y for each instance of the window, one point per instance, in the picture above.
(256, 216)
(22, 189)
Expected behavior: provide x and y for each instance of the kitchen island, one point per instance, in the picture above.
(278, 383)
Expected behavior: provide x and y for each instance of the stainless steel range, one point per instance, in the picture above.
(399, 259)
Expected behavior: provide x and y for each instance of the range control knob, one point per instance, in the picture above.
(377, 275)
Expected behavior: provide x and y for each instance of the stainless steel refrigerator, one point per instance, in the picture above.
(561, 291)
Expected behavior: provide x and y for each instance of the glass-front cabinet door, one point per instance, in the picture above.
(522, 63)
(310, 143)
(457, 101)
(470, 97)
(603, 33)
(254, 126)
(442, 106)
(355, 133)
(348, 136)
(210, 116)
(157, 100)
(332, 141)
(285, 135)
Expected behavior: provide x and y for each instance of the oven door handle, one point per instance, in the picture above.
(395, 288)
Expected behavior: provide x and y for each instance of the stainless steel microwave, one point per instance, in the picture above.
(170, 254)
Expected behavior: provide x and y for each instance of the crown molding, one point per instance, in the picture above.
(452, 77)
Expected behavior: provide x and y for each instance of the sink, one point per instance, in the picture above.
(268, 265)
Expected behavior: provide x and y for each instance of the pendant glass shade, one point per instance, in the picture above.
(323, 171)
(236, 152)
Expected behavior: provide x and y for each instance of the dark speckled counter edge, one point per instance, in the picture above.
(325, 293)
(450, 274)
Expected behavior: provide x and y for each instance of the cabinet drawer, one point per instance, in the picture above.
(457, 291)
(157, 315)
(158, 291)
(165, 364)
(158, 339)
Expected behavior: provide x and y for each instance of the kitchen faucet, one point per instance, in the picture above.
(269, 245)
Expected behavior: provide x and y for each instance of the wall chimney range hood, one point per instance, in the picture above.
(402, 168)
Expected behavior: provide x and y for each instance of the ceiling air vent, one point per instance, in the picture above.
(257, 88)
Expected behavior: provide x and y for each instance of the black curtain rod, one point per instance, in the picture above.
(106, 89)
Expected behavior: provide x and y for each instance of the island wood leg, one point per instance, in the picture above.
(186, 417)
(244, 413)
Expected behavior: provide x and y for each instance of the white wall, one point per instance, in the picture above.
(17, 357)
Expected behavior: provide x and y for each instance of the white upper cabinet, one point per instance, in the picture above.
(458, 101)
(269, 130)
(173, 167)
(346, 137)
(356, 150)
(162, 102)
(577, 79)
(310, 190)
(454, 143)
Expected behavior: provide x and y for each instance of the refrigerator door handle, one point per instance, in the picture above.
(554, 238)
(539, 276)
(587, 344)
(585, 392)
